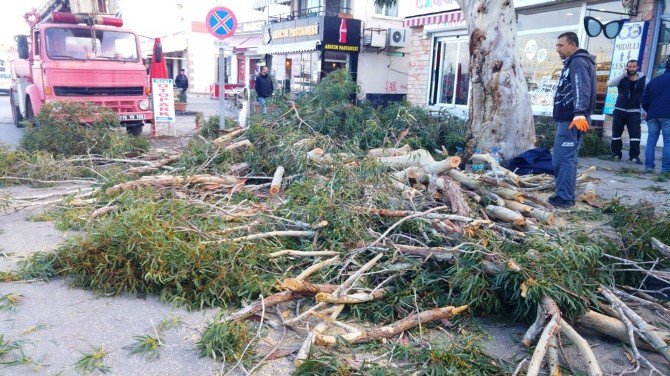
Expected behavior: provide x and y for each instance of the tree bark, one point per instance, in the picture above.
(500, 111)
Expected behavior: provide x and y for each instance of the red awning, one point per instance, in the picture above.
(450, 18)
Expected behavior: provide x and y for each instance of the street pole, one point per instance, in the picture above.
(222, 88)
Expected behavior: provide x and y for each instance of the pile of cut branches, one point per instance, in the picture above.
(349, 224)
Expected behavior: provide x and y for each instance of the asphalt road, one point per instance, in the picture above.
(9, 134)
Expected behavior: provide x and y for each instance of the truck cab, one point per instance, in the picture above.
(79, 57)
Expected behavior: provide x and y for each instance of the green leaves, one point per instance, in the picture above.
(93, 361)
(227, 341)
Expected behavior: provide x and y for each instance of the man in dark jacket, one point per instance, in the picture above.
(574, 102)
(656, 104)
(630, 84)
(264, 88)
(181, 81)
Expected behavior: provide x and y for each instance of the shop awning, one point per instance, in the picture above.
(288, 48)
(450, 18)
(260, 4)
(243, 41)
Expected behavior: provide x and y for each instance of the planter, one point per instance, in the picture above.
(179, 106)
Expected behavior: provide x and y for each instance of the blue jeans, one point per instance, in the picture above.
(654, 128)
(564, 159)
(264, 104)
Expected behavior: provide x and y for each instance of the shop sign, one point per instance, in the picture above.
(296, 32)
(341, 34)
(629, 45)
(252, 27)
(163, 98)
(411, 8)
(526, 3)
(299, 30)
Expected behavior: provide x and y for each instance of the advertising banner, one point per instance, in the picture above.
(629, 45)
(162, 90)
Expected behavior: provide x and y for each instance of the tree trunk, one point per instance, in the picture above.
(500, 111)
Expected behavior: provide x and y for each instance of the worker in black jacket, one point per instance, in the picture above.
(630, 84)
(264, 88)
(574, 102)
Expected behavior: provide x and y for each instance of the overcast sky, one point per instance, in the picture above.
(148, 17)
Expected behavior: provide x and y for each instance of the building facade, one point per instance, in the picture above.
(317, 37)
(439, 71)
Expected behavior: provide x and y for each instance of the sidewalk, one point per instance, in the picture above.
(185, 123)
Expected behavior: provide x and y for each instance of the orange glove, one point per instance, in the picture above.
(579, 122)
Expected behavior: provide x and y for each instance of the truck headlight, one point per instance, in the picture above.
(144, 105)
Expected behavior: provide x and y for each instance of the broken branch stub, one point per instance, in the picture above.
(275, 186)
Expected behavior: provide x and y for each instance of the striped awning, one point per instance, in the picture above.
(260, 4)
(288, 48)
(450, 18)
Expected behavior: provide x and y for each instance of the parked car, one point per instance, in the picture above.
(5, 82)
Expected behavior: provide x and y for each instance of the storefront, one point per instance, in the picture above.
(302, 51)
(440, 48)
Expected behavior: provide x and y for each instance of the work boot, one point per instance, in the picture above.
(560, 203)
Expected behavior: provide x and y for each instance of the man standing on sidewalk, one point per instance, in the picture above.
(264, 88)
(574, 102)
(630, 84)
(656, 104)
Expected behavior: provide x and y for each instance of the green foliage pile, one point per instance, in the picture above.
(38, 165)
(457, 355)
(227, 341)
(332, 121)
(159, 242)
(61, 132)
(153, 245)
(209, 128)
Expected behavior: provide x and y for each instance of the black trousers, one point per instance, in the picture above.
(631, 120)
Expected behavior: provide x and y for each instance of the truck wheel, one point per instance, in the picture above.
(16, 112)
(134, 130)
(30, 115)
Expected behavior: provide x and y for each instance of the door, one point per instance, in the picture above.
(241, 70)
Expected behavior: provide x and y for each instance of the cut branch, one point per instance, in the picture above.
(392, 330)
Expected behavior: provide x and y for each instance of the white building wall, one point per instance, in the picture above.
(379, 71)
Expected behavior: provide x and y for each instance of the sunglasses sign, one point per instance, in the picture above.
(629, 45)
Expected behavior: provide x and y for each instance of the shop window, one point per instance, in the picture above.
(662, 47)
(333, 7)
(553, 18)
(541, 67)
(450, 82)
(386, 10)
(309, 7)
(333, 61)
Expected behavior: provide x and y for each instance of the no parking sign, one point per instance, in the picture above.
(221, 22)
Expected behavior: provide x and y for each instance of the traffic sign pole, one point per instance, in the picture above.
(222, 23)
(222, 88)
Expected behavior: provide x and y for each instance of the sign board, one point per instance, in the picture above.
(341, 34)
(332, 32)
(221, 22)
(629, 45)
(162, 90)
(412, 8)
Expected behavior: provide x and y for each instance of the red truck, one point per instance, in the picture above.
(76, 53)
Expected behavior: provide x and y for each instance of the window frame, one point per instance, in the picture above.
(443, 42)
(385, 9)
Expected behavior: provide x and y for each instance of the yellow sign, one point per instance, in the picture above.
(338, 47)
(302, 31)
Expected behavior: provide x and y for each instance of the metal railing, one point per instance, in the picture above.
(307, 12)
